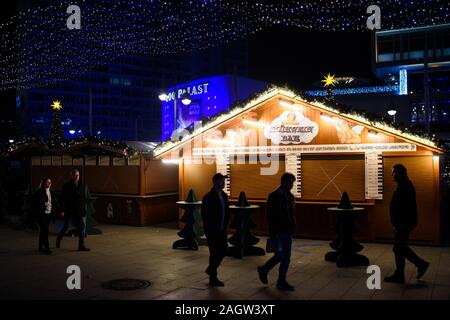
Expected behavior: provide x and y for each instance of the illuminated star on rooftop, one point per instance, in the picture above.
(56, 105)
(329, 80)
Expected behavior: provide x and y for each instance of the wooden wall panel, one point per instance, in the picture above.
(160, 177)
(248, 178)
(197, 177)
(58, 174)
(420, 171)
(117, 179)
(347, 171)
(136, 211)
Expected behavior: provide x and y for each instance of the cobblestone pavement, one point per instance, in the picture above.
(146, 253)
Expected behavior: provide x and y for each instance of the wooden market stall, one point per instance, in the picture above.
(130, 188)
(329, 149)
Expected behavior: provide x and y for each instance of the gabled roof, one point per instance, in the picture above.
(31, 146)
(369, 120)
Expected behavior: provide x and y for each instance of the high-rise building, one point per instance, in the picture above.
(418, 61)
(120, 99)
(412, 69)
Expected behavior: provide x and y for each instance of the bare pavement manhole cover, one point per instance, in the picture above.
(126, 284)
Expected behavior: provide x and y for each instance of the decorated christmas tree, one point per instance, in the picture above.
(56, 134)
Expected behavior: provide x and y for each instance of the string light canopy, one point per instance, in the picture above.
(38, 49)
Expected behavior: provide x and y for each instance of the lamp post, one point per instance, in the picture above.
(392, 113)
(185, 99)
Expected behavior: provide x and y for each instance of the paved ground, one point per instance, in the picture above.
(145, 253)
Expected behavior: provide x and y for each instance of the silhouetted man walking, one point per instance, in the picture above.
(281, 218)
(45, 206)
(215, 215)
(403, 212)
(73, 203)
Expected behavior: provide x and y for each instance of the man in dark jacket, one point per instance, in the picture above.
(74, 208)
(403, 213)
(215, 215)
(281, 219)
(45, 207)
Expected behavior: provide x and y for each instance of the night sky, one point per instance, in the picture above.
(299, 58)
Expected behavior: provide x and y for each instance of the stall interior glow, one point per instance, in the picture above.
(170, 161)
(328, 118)
(290, 105)
(254, 123)
(219, 141)
(272, 91)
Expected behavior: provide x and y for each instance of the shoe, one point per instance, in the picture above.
(84, 249)
(41, 250)
(285, 287)
(48, 252)
(262, 275)
(58, 243)
(422, 269)
(395, 278)
(216, 283)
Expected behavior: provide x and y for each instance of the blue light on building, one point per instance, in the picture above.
(356, 90)
(403, 76)
(209, 96)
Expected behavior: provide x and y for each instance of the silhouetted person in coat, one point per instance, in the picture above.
(281, 219)
(215, 215)
(45, 207)
(73, 204)
(403, 212)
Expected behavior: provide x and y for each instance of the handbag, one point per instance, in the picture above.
(273, 245)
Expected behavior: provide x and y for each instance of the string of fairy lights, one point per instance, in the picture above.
(38, 49)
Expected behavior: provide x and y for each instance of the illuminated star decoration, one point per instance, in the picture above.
(56, 105)
(329, 80)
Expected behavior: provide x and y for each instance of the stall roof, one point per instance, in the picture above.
(32, 146)
(142, 146)
(369, 120)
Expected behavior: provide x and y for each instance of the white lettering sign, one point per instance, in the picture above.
(191, 90)
(291, 127)
(320, 148)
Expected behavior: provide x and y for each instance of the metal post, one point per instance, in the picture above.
(175, 113)
(90, 111)
(427, 87)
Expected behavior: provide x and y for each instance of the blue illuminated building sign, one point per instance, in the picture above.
(209, 96)
(193, 91)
